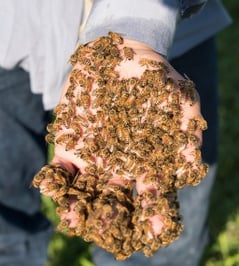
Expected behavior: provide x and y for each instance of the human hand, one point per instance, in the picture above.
(128, 134)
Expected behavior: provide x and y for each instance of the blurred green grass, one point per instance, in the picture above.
(223, 249)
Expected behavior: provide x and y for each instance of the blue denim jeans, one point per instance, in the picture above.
(200, 65)
(24, 231)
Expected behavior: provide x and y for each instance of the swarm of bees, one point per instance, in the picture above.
(122, 129)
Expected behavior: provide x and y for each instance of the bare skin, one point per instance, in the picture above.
(152, 212)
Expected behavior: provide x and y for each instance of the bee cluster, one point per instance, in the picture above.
(122, 129)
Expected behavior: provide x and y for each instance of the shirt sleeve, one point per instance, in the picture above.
(152, 22)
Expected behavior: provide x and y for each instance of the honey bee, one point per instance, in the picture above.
(136, 243)
(170, 84)
(101, 43)
(99, 102)
(80, 230)
(152, 177)
(84, 49)
(116, 38)
(121, 197)
(61, 209)
(74, 191)
(113, 114)
(77, 128)
(84, 81)
(71, 143)
(64, 138)
(203, 170)
(114, 61)
(50, 138)
(38, 178)
(197, 154)
(180, 183)
(59, 109)
(90, 117)
(60, 177)
(107, 73)
(148, 212)
(202, 124)
(105, 152)
(100, 61)
(144, 62)
(115, 161)
(194, 140)
(150, 76)
(163, 96)
(100, 116)
(181, 138)
(130, 102)
(91, 145)
(117, 246)
(73, 59)
(116, 232)
(101, 83)
(51, 128)
(71, 108)
(167, 139)
(114, 51)
(123, 134)
(59, 192)
(192, 178)
(99, 57)
(65, 120)
(149, 195)
(123, 115)
(192, 126)
(120, 154)
(107, 101)
(85, 61)
(72, 80)
(174, 98)
(187, 88)
(153, 63)
(131, 161)
(63, 225)
(78, 49)
(98, 45)
(120, 100)
(107, 211)
(155, 245)
(160, 65)
(143, 83)
(91, 169)
(84, 100)
(134, 91)
(82, 121)
(128, 53)
(98, 224)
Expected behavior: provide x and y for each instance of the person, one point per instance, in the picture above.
(40, 67)
(35, 44)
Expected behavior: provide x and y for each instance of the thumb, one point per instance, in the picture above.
(54, 179)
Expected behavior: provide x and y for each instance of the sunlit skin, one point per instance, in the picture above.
(148, 211)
